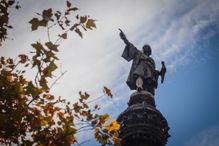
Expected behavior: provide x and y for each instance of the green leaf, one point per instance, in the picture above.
(51, 46)
(43, 83)
(38, 47)
(49, 69)
(35, 23)
(31, 89)
(77, 30)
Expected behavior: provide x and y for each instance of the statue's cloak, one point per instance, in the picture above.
(142, 66)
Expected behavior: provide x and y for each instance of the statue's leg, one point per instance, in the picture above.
(139, 83)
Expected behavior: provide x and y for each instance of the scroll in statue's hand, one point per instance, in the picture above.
(163, 71)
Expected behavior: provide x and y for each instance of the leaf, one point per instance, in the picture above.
(68, 4)
(42, 120)
(107, 91)
(31, 89)
(61, 115)
(90, 24)
(10, 78)
(11, 2)
(23, 58)
(51, 46)
(49, 69)
(72, 9)
(77, 30)
(47, 14)
(103, 119)
(116, 141)
(113, 126)
(96, 107)
(76, 107)
(43, 83)
(84, 96)
(35, 23)
(64, 36)
(83, 19)
(57, 15)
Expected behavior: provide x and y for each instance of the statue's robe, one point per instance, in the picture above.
(142, 65)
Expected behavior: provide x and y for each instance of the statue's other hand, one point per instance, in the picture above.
(163, 71)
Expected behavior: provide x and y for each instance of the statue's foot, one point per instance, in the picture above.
(139, 89)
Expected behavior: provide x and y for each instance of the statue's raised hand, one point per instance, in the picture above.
(123, 37)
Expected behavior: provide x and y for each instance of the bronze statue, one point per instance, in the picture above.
(143, 74)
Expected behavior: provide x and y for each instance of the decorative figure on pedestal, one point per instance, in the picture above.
(142, 124)
(143, 74)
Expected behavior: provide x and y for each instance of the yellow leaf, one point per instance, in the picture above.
(113, 126)
(42, 120)
(103, 119)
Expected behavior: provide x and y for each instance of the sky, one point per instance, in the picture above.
(184, 34)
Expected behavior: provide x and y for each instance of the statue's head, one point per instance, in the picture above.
(146, 50)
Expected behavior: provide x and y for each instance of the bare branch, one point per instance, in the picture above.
(62, 74)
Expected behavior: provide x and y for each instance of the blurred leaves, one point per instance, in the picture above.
(29, 113)
(46, 16)
(90, 24)
(5, 6)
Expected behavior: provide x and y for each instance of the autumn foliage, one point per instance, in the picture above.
(29, 113)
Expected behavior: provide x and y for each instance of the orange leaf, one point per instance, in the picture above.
(64, 36)
(61, 114)
(10, 78)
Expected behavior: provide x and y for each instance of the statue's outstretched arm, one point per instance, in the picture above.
(123, 37)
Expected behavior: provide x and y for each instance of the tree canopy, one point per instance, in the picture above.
(29, 113)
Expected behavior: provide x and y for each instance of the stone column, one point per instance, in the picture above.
(141, 123)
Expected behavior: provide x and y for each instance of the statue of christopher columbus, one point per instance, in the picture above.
(143, 74)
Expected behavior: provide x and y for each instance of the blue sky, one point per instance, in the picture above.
(185, 34)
